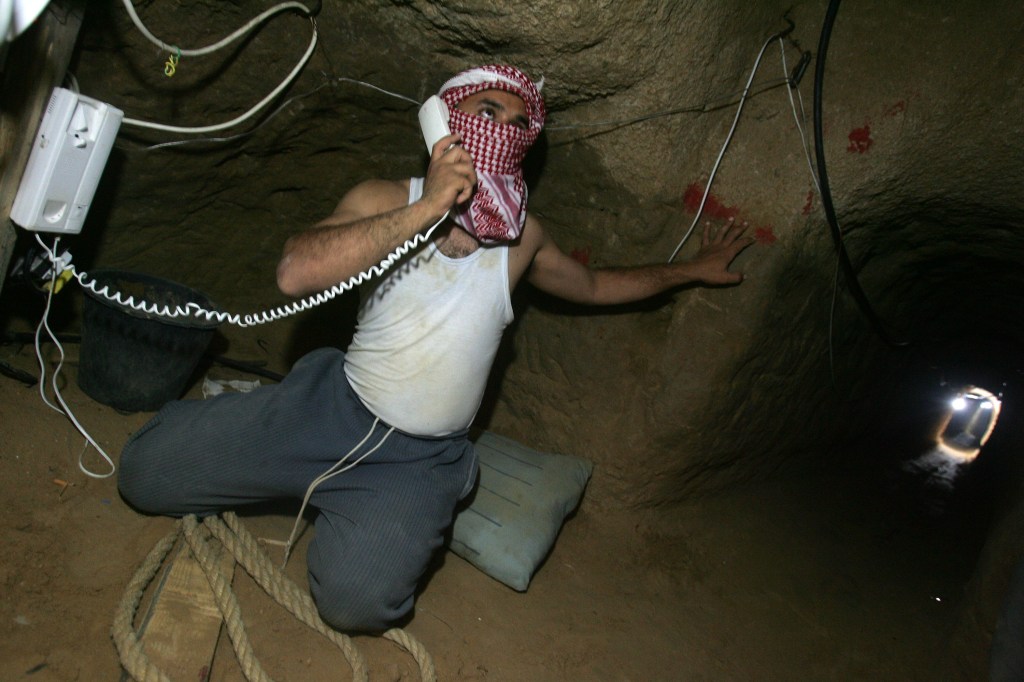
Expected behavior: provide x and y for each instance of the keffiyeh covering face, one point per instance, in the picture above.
(497, 211)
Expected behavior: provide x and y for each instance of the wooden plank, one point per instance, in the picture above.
(181, 634)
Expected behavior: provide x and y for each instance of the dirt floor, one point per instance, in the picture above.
(796, 579)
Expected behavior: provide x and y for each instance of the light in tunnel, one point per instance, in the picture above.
(967, 427)
(970, 417)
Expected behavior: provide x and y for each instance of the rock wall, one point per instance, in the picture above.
(682, 394)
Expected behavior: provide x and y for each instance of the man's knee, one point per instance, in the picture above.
(358, 603)
(141, 480)
(135, 482)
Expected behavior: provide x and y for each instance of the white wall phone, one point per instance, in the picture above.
(434, 121)
(71, 148)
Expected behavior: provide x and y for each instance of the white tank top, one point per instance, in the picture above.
(426, 336)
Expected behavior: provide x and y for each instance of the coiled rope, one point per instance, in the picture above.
(237, 540)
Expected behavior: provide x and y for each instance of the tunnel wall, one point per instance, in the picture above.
(689, 392)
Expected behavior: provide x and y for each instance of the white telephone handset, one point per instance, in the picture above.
(434, 121)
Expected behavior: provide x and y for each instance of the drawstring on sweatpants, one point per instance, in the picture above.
(331, 472)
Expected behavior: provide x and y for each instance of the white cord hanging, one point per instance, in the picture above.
(721, 153)
(64, 408)
(338, 467)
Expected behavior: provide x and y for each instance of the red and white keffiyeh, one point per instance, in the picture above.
(497, 211)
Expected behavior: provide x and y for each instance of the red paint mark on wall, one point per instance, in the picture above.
(765, 235)
(715, 209)
(860, 140)
(809, 204)
(712, 207)
(896, 109)
(581, 255)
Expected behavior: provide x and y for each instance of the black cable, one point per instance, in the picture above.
(799, 69)
(826, 195)
(13, 372)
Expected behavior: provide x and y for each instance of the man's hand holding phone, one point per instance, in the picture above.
(450, 177)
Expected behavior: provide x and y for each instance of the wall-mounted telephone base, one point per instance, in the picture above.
(68, 157)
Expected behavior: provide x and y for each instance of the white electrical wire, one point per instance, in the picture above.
(814, 178)
(235, 121)
(44, 323)
(229, 138)
(216, 46)
(707, 106)
(396, 95)
(797, 118)
(328, 80)
(213, 48)
(331, 472)
(721, 153)
(64, 408)
(810, 165)
(195, 310)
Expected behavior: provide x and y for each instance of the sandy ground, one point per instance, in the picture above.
(812, 578)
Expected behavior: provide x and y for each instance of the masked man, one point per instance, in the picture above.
(375, 439)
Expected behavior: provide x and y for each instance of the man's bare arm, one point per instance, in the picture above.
(558, 274)
(359, 234)
(371, 221)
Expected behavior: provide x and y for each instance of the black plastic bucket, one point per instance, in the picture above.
(132, 360)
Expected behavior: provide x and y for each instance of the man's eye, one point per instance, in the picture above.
(487, 113)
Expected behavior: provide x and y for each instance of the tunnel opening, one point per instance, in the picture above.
(972, 416)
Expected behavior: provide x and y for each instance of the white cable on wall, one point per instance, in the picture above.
(797, 118)
(235, 121)
(216, 46)
(721, 153)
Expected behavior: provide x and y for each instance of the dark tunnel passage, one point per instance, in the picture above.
(831, 396)
(951, 292)
(950, 287)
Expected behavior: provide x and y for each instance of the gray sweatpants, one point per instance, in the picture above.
(378, 524)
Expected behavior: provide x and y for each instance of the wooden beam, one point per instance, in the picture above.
(183, 626)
